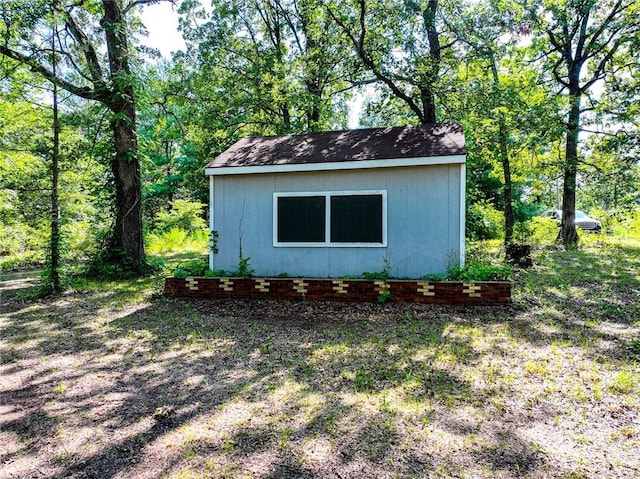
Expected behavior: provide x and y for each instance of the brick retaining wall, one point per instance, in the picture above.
(334, 289)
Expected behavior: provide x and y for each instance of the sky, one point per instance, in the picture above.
(161, 20)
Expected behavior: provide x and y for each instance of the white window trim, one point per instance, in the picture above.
(327, 243)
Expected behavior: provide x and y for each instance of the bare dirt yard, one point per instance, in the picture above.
(111, 380)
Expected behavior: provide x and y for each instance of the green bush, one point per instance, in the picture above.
(476, 271)
(20, 238)
(192, 268)
(26, 260)
(627, 225)
(543, 230)
(79, 240)
(183, 215)
(484, 221)
(177, 239)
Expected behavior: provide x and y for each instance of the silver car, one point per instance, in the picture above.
(583, 220)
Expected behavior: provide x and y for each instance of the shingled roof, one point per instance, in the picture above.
(442, 139)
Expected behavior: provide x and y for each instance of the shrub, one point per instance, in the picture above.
(476, 271)
(183, 215)
(628, 225)
(177, 239)
(26, 260)
(192, 268)
(543, 230)
(484, 221)
(80, 240)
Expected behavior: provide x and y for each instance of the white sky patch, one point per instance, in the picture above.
(161, 20)
(355, 106)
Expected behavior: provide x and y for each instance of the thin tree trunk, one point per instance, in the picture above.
(168, 153)
(503, 149)
(568, 233)
(54, 274)
(313, 110)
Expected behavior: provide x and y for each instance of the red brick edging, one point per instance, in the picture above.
(335, 289)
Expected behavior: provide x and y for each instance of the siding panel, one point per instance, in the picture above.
(423, 222)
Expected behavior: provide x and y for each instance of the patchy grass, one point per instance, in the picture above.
(113, 380)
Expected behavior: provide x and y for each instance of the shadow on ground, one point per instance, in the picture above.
(112, 383)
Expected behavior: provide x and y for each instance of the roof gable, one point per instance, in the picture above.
(365, 145)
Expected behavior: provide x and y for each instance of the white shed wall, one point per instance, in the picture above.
(425, 229)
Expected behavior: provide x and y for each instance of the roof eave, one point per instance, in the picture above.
(333, 166)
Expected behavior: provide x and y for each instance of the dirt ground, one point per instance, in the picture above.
(111, 380)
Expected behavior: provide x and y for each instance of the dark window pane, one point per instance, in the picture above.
(356, 219)
(301, 219)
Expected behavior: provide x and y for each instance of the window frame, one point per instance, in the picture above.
(327, 197)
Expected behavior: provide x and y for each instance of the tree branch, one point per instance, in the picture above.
(144, 2)
(86, 47)
(35, 66)
(617, 8)
(358, 43)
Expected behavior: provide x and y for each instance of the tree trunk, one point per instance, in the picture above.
(568, 233)
(54, 264)
(428, 104)
(127, 243)
(315, 98)
(427, 96)
(503, 149)
(127, 247)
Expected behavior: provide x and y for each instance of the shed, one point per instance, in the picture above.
(341, 203)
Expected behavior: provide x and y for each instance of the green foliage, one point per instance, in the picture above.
(219, 273)
(484, 221)
(27, 260)
(380, 275)
(476, 271)
(435, 277)
(626, 226)
(191, 268)
(183, 215)
(244, 270)
(201, 268)
(177, 240)
(543, 231)
(385, 295)
(172, 240)
(78, 240)
(213, 241)
(625, 382)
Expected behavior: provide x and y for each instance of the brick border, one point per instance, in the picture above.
(334, 289)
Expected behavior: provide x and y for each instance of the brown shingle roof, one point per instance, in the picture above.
(443, 139)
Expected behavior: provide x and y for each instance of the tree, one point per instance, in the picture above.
(25, 145)
(488, 30)
(87, 73)
(401, 45)
(54, 250)
(263, 67)
(579, 41)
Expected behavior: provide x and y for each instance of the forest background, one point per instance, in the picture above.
(95, 126)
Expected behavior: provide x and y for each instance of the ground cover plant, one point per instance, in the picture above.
(112, 380)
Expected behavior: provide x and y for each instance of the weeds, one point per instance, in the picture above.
(625, 382)
(475, 271)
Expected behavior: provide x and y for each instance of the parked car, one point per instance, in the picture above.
(583, 220)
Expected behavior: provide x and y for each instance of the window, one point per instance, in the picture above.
(337, 218)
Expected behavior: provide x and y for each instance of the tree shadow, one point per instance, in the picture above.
(293, 389)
